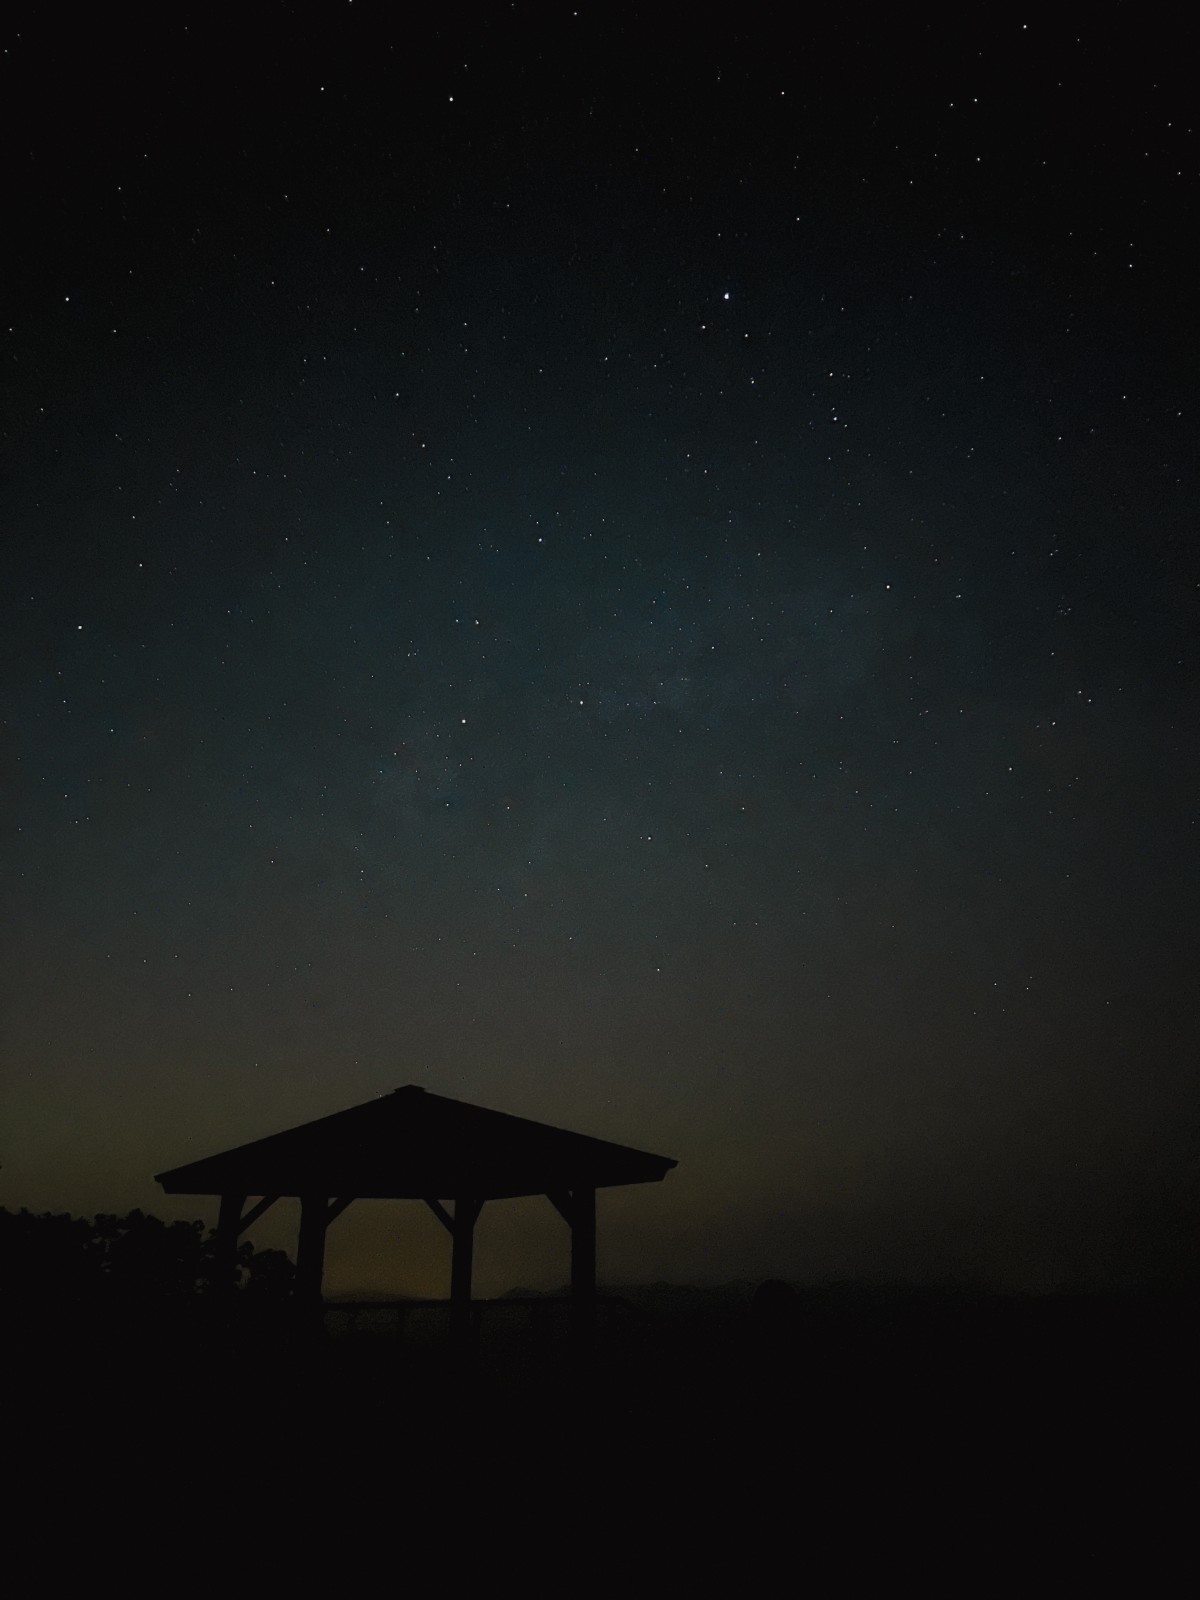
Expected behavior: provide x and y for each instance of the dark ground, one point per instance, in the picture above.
(843, 1427)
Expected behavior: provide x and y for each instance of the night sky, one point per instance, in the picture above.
(638, 571)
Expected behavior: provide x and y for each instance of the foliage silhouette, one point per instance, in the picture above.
(53, 1260)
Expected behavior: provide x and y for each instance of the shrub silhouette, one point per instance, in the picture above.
(51, 1261)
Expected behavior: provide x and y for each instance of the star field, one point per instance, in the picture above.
(641, 575)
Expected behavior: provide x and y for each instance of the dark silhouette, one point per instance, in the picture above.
(773, 1302)
(121, 1323)
(419, 1146)
(129, 1350)
(54, 1262)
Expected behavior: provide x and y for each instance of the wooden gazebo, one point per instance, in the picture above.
(411, 1145)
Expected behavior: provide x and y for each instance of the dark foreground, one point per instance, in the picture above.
(708, 1439)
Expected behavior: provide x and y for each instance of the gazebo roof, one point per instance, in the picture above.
(414, 1145)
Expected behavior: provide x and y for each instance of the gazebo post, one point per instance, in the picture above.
(583, 1271)
(466, 1212)
(310, 1250)
(229, 1227)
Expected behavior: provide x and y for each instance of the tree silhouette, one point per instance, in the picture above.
(53, 1261)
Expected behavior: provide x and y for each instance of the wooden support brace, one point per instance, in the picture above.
(257, 1211)
(336, 1207)
(560, 1199)
(440, 1212)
